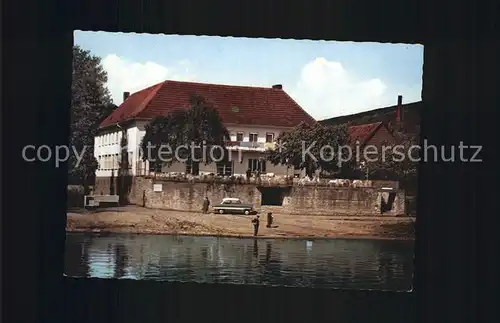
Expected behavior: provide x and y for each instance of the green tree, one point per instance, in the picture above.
(311, 147)
(399, 162)
(169, 138)
(91, 104)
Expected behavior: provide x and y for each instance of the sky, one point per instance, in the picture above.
(327, 78)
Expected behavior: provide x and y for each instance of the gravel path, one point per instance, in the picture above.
(134, 219)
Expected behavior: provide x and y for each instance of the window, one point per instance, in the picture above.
(239, 136)
(253, 137)
(225, 168)
(269, 137)
(231, 202)
(257, 165)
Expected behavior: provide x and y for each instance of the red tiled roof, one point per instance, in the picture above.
(235, 104)
(363, 132)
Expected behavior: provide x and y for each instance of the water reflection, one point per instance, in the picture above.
(323, 263)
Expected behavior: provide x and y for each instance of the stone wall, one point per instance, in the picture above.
(347, 201)
(187, 196)
(309, 199)
(116, 185)
(104, 185)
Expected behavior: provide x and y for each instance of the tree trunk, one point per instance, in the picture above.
(85, 185)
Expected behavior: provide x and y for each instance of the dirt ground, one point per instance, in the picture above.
(134, 219)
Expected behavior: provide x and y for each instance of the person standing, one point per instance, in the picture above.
(256, 223)
(269, 219)
(206, 204)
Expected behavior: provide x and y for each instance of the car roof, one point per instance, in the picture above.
(230, 199)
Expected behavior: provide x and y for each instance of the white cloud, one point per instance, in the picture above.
(125, 75)
(326, 89)
(323, 88)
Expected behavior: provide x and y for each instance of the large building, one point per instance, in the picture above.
(254, 116)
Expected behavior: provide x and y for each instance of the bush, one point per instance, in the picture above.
(75, 196)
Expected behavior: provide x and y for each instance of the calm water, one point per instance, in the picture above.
(338, 263)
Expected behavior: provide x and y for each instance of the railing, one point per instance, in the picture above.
(251, 144)
(269, 145)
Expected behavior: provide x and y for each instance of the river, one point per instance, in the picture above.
(332, 263)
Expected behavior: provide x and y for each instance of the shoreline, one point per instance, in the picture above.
(138, 220)
(261, 237)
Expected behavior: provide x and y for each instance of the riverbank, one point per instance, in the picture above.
(134, 219)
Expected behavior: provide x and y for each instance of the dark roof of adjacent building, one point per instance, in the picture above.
(410, 116)
(236, 104)
(363, 132)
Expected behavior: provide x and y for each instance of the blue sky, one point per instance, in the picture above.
(326, 78)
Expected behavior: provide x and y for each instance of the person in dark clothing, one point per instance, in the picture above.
(269, 219)
(206, 204)
(249, 174)
(256, 223)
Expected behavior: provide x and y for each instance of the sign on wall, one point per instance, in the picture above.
(157, 187)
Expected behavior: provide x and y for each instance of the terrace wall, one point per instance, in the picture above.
(316, 198)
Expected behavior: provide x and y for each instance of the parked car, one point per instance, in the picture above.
(233, 205)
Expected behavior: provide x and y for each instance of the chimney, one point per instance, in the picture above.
(125, 95)
(278, 86)
(398, 108)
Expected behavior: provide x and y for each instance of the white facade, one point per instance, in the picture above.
(107, 149)
(256, 135)
(247, 142)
